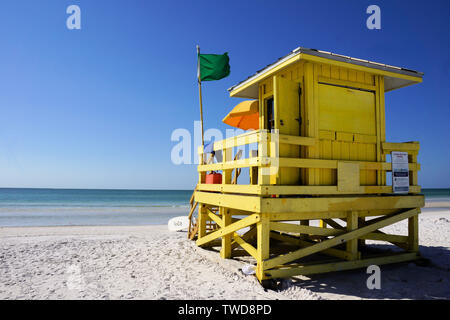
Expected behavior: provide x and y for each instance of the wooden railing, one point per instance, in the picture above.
(266, 162)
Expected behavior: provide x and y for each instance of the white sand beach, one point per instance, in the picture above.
(149, 262)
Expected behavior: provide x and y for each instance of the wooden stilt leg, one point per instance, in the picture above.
(413, 233)
(225, 251)
(361, 242)
(202, 217)
(263, 243)
(352, 224)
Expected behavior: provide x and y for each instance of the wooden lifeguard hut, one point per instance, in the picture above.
(321, 155)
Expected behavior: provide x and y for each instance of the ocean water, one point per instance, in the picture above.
(436, 195)
(59, 207)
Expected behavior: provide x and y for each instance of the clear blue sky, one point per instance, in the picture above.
(95, 108)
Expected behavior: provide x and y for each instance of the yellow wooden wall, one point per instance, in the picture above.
(354, 130)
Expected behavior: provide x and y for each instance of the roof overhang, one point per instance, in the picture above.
(394, 77)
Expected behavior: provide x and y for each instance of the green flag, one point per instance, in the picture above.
(213, 66)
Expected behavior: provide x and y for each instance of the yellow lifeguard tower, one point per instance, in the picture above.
(321, 155)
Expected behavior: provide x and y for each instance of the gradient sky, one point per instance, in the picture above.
(96, 107)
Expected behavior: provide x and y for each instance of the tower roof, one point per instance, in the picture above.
(395, 77)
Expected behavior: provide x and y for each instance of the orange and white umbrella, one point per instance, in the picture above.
(244, 116)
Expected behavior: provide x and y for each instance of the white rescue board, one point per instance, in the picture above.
(178, 223)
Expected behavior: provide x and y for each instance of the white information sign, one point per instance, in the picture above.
(400, 172)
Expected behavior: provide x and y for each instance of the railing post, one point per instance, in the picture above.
(202, 174)
(227, 155)
(253, 170)
(263, 152)
(413, 175)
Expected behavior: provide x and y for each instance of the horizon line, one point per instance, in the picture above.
(124, 189)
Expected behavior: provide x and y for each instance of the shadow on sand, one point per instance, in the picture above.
(398, 281)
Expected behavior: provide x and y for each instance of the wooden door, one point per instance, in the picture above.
(347, 126)
(287, 121)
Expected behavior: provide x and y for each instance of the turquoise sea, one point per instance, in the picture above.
(56, 207)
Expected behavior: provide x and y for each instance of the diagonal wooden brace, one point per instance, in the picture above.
(252, 219)
(237, 240)
(317, 231)
(250, 234)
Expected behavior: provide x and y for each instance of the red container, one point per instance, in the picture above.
(213, 178)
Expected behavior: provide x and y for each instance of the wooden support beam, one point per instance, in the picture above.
(285, 238)
(296, 140)
(352, 245)
(231, 164)
(231, 241)
(334, 224)
(192, 210)
(412, 147)
(361, 242)
(333, 164)
(304, 223)
(263, 245)
(246, 246)
(379, 236)
(254, 218)
(239, 202)
(399, 241)
(338, 266)
(214, 217)
(267, 264)
(303, 243)
(295, 216)
(225, 251)
(239, 140)
(191, 200)
(250, 234)
(334, 204)
(265, 190)
(413, 234)
(202, 217)
(295, 228)
(191, 232)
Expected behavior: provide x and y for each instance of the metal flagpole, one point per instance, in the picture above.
(200, 93)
